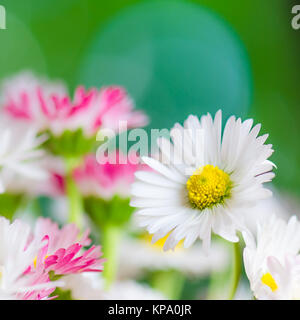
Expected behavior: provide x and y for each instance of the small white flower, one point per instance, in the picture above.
(278, 204)
(138, 255)
(209, 182)
(272, 262)
(19, 152)
(50, 184)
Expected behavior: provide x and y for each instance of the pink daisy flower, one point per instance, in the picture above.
(27, 258)
(63, 252)
(36, 282)
(106, 179)
(48, 106)
(17, 252)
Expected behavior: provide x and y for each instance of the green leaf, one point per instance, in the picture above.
(116, 211)
(62, 294)
(9, 204)
(70, 144)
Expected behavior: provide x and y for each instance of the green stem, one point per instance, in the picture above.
(111, 237)
(218, 285)
(236, 274)
(169, 283)
(73, 194)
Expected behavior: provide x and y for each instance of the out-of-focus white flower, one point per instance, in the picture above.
(17, 253)
(139, 254)
(52, 185)
(19, 152)
(260, 213)
(205, 182)
(27, 259)
(272, 260)
(89, 286)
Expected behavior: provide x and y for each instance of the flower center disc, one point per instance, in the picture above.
(268, 280)
(208, 186)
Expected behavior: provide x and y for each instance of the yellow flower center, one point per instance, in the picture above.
(208, 186)
(160, 243)
(35, 260)
(269, 281)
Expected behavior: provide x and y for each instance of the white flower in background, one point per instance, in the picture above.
(52, 185)
(277, 204)
(19, 153)
(17, 253)
(209, 182)
(138, 255)
(90, 286)
(272, 262)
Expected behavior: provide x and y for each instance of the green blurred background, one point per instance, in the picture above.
(174, 57)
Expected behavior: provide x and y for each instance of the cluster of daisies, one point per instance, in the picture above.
(205, 184)
(48, 143)
(216, 190)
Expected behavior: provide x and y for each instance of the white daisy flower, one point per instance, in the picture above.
(19, 153)
(138, 255)
(90, 286)
(50, 184)
(208, 182)
(277, 204)
(272, 262)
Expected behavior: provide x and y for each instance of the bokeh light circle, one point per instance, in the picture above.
(175, 58)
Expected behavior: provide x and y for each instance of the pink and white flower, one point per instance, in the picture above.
(20, 153)
(107, 179)
(63, 252)
(52, 185)
(139, 255)
(272, 260)
(27, 258)
(17, 251)
(48, 106)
